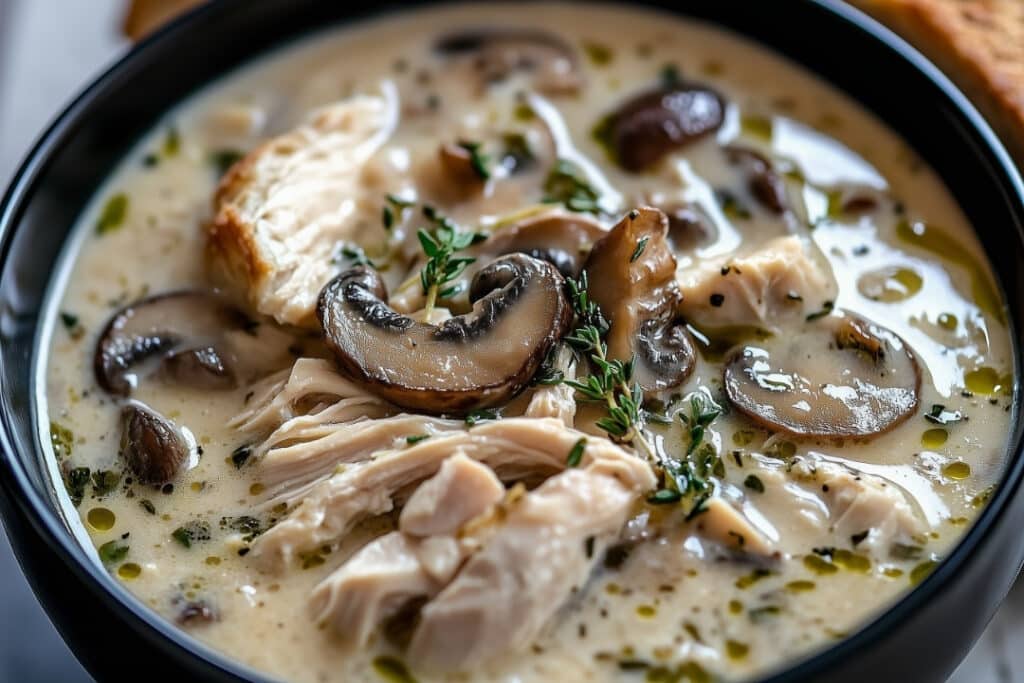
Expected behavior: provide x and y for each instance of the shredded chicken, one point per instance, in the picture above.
(779, 283)
(543, 552)
(722, 523)
(558, 400)
(513, 447)
(414, 562)
(283, 211)
(862, 503)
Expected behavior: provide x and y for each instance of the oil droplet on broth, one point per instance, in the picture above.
(890, 285)
(947, 321)
(129, 570)
(985, 380)
(957, 470)
(934, 438)
(101, 519)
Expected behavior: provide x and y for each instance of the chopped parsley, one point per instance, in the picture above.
(416, 438)
(113, 214)
(75, 481)
(826, 309)
(105, 481)
(477, 416)
(754, 483)
(62, 439)
(112, 552)
(193, 532)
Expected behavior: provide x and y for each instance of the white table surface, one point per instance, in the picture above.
(48, 50)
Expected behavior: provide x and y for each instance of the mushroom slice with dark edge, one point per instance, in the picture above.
(184, 328)
(762, 180)
(839, 377)
(472, 361)
(153, 448)
(497, 53)
(651, 125)
(631, 275)
(559, 237)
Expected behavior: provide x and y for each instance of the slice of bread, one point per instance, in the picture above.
(978, 43)
(145, 16)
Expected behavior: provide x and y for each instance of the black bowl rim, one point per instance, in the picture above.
(47, 523)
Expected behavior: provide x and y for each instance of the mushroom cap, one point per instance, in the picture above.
(152, 446)
(498, 52)
(165, 325)
(631, 275)
(561, 238)
(654, 123)
(762, 180)
(840, 376)
(468, 362)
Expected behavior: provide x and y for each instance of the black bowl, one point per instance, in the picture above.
(922, 637)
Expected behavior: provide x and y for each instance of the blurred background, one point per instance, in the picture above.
(48, 50)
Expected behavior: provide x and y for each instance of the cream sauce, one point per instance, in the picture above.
(680, 603)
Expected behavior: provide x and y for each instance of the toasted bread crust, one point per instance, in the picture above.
(978, 43)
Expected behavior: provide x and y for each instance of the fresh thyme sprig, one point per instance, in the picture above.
(566, 185)
(612, 380)
(442, 267)
(689, 478)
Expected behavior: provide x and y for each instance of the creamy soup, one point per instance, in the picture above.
(475, 343)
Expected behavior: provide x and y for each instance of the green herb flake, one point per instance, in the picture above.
(416, 438)
(113, 214)
(517, 153)
(477, 159)
(754, 483)
(826, 309)
(75, 481)
(148, 506)
(664, 497)
(112, 552)
(105, 481)
(669, 76)
(442, 266)
(478, 416)
(62, 439)
(392, 670)
(249, 527)
(748, 580)
(640, 246)
(223, 159)
(576, 453)
(192, 532)
(172, 143)
(599, 54)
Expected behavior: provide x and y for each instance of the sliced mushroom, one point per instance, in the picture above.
(559, 237)
(185, 328)
(458, 166)
(840, 377)
(763, 182)
(497, 53)
(468, 362)
(154, 449)
(631, 274)
(651, 125)
(688, 227)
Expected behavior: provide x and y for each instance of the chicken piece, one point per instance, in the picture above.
(397, 567)
(282, 211)
(290, 393)
(308, 448)
(780, 283)
(543, 552)
(724, 524)
(513, 448)
(859, 503)
(558, 400)
(461, 490)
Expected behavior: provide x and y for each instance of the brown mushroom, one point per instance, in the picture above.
(688, 227)
(153, 448)
(468, 362)
(183, 329)
(460, 168)
(651, 125)
(497, 53)
(631, 274)
(839, 377)
(763, 182)
(559, 237)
